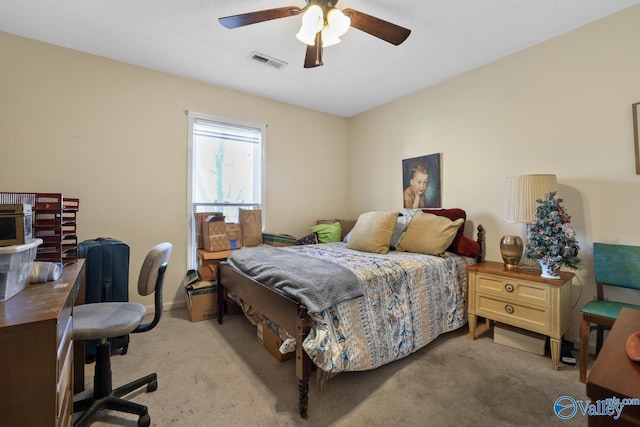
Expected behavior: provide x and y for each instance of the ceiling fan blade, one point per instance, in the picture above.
(243, 19)
(313, 58)
(377, 27)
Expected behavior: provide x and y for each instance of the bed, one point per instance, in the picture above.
(383, 306)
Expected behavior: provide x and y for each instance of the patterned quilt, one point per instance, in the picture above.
(409, 300)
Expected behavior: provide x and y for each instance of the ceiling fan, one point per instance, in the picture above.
(322, 25)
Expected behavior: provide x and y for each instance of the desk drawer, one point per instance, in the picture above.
(63, 319)
(66, 417)
(64, 393)
(516, 290)
(533, 318)
(64, 346)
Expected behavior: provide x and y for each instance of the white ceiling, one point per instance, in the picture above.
(184, 38)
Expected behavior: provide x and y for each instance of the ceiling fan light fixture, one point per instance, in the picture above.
(337, 25)
(329, 37)
(306, 37)
(312, 22)
(322, 25)
(338, 21)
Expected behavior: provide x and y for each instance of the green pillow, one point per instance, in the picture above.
(327, 233)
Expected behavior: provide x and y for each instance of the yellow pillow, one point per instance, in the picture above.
(429, 234)
(373, 231)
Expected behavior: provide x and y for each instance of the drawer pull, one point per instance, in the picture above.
(509, 308)
(509, 287)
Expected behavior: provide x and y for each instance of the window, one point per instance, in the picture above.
(225, 169)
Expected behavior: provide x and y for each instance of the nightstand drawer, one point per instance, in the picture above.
(513, 289)
(533, 318)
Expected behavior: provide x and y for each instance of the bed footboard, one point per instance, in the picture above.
(280, 309)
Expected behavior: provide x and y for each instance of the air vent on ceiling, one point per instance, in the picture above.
(267, 60)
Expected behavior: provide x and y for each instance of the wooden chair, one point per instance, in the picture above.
(615, 265)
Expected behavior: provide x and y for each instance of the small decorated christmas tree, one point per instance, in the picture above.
(552, 239)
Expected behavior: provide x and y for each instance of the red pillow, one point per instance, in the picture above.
(466, 247)
(461, 245)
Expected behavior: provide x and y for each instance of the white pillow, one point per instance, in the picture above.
(398, 232)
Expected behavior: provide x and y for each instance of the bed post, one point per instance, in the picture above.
(303, 362)
(220, 295)
(480, 241)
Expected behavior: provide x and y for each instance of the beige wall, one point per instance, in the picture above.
(115, 136)
(561, 107)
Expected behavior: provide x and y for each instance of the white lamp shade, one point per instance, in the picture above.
(338, 21)
(306, 36)
(521, 194)
(329, 37)
(312, 22)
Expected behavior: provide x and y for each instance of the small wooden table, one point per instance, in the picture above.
(521, 298)
(614, 375)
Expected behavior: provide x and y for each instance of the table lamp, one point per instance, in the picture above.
(520, 196)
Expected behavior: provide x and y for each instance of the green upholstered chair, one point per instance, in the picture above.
(615, 265)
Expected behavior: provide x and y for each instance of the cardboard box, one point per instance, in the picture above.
(199, 217)
(208, 263)
(202, 300)
(208, 271)
(214, 234)
(272, 342)
(15, 224)
(519, 338)
(234, 235)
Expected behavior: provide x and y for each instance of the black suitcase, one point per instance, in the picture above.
(107, 279)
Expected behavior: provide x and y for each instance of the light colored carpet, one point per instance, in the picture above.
(219, 375)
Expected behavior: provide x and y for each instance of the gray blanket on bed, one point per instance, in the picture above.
(316, 283)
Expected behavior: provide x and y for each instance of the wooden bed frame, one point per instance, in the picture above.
(284, 312)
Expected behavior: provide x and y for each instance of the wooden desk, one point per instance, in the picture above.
(36, 357)
(613, 374)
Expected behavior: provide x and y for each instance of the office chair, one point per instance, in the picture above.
(615, 265)
(112, 319)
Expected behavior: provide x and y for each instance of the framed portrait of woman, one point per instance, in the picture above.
(421, 182)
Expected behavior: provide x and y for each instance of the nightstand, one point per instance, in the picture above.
(521, 298)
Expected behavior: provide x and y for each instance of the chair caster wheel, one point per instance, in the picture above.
(152, 386)
(144, 421)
